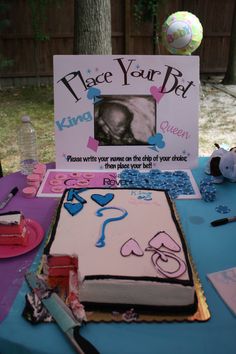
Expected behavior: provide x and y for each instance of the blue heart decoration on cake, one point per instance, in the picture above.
(102, 199)
(73, 208)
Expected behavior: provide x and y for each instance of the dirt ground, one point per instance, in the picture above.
(217, 120)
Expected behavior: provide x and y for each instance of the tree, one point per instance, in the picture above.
(92, 33)
(230, 76)
(4, 22)
(147, 11)
(38, 10)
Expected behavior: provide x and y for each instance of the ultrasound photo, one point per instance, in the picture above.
(124, 120)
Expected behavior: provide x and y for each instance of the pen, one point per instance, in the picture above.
(223, 221)
(9, 197)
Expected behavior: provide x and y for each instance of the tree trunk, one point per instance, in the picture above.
(92, 31)
(230, 76)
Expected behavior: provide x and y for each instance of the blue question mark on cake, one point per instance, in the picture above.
(99, 212)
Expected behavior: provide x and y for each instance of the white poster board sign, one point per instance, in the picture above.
(126, 111)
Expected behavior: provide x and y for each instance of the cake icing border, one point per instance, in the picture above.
(176, 220)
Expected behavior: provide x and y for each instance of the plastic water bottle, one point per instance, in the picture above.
(27, 146)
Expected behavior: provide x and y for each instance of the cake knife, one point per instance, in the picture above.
(61, 314)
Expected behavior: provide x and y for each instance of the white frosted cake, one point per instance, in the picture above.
(130, 248)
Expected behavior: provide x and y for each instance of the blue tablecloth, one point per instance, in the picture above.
(213, 249)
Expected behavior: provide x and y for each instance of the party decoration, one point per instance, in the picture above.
(222, 165)
(182, 33)
(73, 208)
(102, 199)
(157, 140)
(161, 257)
(108, 106)
(177, 183)
(223, 209)
(99, 212)
(131, 247)
(207, 189)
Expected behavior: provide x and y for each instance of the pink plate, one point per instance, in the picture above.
(36, 234)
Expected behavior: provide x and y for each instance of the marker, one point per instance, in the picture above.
(223, 221)
(9, 197)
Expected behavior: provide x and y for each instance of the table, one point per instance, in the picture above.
(213, 249)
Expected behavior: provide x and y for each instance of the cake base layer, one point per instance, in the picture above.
(133, 292)
(199, 311)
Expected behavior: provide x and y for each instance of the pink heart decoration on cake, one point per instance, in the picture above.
(131, 247)
(155, 91)
(163, 239)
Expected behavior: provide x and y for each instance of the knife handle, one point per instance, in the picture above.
(82, 345)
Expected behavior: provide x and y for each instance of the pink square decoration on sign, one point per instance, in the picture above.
(92, 144)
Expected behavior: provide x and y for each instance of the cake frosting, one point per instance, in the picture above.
(130, 248)
(12, 229)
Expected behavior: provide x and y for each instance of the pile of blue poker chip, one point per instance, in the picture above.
(207, 189)
(175, 183)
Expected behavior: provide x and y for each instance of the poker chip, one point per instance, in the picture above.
(207, 189)
(29, 192)
(175, 183)
(223, 209)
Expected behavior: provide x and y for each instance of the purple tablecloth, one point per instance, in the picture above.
(38, 209)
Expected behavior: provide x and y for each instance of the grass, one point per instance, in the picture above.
(38, 104)
(217, 122)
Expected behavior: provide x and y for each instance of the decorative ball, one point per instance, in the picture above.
(182, 33)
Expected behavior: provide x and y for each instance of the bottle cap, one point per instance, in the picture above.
(25, 119)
